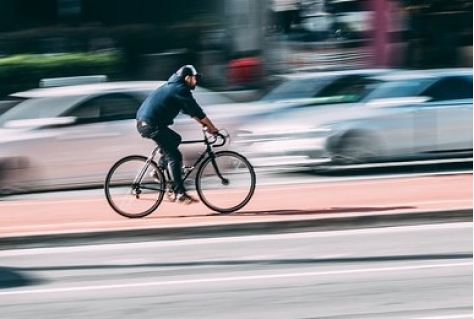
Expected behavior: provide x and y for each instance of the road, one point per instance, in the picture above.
(414, 272)
(358, 203)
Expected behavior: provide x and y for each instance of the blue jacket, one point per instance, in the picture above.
(162, 106)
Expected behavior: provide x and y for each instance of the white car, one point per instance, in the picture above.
(403, 115)
(66, 137)
(286, 90)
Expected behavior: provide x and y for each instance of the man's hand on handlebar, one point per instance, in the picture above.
(208, 125)
(212, 130)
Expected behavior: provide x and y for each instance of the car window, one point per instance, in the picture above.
(339, 84)
(8, 103)
(110, 107)
(452, 88)
(398, 88)
(208, 98)
(294, 89)
(353, 87)
(38, 108)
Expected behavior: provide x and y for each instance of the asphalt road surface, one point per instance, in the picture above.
(398, 272)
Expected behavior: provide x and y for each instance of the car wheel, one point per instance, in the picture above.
(354, 148)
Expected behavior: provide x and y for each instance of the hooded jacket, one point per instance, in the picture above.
(162, 106)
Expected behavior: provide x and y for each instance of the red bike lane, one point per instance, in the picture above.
(270, 203)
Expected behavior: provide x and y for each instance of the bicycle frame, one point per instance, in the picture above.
(209, 152)
(151, 182)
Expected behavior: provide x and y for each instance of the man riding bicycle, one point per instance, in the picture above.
(158, 112)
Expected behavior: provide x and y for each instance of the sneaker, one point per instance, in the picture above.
(185, 199)
(170, 195)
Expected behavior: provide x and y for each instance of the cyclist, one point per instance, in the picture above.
(158, 112)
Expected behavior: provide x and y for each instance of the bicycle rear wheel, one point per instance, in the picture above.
(132, 196)
(227, 186)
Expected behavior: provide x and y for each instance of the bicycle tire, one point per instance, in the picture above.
(120, 192)
(225, 197)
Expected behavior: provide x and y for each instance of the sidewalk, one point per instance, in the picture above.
(282, 208)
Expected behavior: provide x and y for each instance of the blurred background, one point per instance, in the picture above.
(234, 42)
(256, 57)
(354, 113)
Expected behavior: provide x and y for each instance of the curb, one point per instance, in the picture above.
(322, 223)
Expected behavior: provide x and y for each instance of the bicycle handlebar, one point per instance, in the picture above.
(214, 138)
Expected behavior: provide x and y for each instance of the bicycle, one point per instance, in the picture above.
(225, 180)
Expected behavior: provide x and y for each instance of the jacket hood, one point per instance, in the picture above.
(174, 78)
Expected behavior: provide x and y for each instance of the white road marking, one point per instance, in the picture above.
(51, 201)
(231, 279)
(238, 239)
(448, 317)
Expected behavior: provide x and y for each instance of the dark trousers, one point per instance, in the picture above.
(168, 141)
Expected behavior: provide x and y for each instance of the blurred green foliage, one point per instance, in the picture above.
(22, 72)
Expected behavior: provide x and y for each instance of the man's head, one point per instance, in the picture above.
(189, 75)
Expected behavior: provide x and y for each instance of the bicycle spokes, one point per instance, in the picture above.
(226, 182)
(133, 187)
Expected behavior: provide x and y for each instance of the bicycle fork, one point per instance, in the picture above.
(225, 181)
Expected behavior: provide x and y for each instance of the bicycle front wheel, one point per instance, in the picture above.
(226, 182)
(132, 189)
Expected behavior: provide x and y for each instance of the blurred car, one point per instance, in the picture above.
(317, 87)
(65, 137)
(308, 85)
(402, 115)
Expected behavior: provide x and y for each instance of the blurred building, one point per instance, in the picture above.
(156, 36)
(351, 33)
(439, 33)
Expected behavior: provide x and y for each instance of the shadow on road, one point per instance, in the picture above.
(11, 278)
(432, 257)
(289, 212)
(331, 210)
